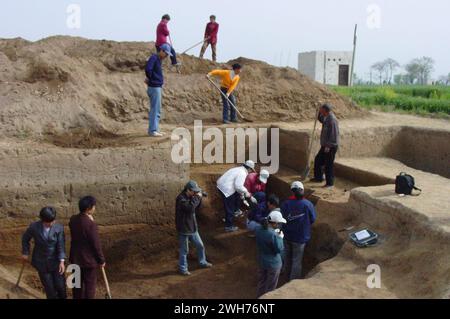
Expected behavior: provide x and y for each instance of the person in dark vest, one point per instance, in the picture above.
(48, 252)
(329, 144)
(86, 250)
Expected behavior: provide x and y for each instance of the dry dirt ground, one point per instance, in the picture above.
(74, 116)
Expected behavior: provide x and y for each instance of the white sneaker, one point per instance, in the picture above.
(156, 134)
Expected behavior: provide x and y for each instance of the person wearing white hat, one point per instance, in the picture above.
(300, 214)
(269, 243)
(256, 183)
(231, 189)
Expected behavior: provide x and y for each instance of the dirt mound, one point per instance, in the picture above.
(69, 83)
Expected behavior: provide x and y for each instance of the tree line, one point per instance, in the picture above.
(417, 71)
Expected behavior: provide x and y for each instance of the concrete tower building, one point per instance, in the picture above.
(327, 67)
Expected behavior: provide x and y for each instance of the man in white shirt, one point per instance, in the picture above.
(231, 188)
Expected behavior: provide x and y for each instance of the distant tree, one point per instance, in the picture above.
(420, 69)
(390, 66)
(380, 67)
(399, 79)
(444, 79)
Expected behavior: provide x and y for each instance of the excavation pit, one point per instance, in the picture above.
(136, 187)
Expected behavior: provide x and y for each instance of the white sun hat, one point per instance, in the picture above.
(250, 164)
(264, 176)
(297, 185)
(276, 217)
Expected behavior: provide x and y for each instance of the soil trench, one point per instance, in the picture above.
(136, 207)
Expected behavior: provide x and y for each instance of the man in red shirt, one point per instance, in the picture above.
(212, 28)
(162, 37)
(256, 183)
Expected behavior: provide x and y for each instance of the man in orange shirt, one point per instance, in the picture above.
(229, 81)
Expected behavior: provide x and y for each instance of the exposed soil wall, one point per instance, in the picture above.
(132, 186)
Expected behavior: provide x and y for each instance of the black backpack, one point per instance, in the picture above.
(404, 184)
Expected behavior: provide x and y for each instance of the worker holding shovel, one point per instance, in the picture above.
(86, 250)
(212, 29)
(163, 37)
(229, 81)
(329, 144)
(48, 253)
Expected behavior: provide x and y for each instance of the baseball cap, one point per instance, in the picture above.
(166, 48)
(193, 186)
(264, 176)
(276, 217)
(297, 185)
(250, 164)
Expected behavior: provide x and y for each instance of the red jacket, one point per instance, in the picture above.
(162, 32)
(253, 184)
(211, 31)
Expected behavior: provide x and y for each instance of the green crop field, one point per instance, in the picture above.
(411, 99)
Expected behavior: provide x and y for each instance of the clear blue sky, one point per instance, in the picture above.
(273, 31)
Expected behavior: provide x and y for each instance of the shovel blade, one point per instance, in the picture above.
(306, 172)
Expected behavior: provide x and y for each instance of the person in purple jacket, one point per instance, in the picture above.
(300, 214)
(261, 210)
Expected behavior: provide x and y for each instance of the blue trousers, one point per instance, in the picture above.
(229, 113)
(184, 240)
(293, 259)
(155, 94)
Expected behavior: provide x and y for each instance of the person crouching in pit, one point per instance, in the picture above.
(187, 203)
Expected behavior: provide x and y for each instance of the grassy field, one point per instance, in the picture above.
(424, 100)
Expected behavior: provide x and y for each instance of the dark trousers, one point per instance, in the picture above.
(229, 113)
(54, 284)
(325, 160)
(267, 280)
(88, 284)
(173, 58)
(230, 205)
(293, 259)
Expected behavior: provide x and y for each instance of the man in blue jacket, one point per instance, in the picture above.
(48, 252)
(155, 82)
(300, 214)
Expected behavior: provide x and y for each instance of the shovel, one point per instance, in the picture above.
(311, 142)
(16, 286)
(105, 279)
(231, 103)
(195, 45)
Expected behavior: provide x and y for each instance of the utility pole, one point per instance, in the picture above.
(355, 38)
